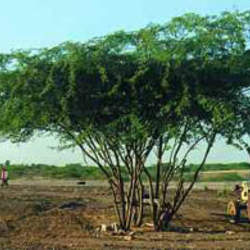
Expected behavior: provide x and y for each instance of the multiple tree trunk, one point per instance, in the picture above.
(130, 196)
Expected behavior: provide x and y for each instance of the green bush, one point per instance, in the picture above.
(70, 171)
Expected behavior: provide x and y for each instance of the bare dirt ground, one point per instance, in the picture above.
(37, 217)
(40, 181)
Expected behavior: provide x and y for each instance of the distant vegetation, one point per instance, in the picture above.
(221, 166)
(77, 171)
(71, 171)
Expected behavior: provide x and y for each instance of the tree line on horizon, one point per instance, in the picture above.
(79, 172)
(120, 97)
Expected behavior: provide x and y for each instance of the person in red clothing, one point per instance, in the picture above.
(4, 176)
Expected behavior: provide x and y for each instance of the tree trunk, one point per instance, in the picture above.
(131, 203)
(158, 170)
(139, 207)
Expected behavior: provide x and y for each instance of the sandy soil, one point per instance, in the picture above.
(36, 217)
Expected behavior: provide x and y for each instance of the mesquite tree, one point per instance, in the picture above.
(119, 97)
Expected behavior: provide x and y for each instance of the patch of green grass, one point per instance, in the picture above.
(223, 177)
(71, 171)
(220, 166)
(77, 171)
(216, 178)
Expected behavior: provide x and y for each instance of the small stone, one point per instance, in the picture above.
(128, 237)
(149, 225)
(131, 233)
(121, 232)
(232, 221)
(229, 232)
(114, 227)
(103, 228)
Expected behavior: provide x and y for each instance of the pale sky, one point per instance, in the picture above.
(42, 23)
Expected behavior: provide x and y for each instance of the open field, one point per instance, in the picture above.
(40, 181)
(36, 217)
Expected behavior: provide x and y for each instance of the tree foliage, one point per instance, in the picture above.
(121, 96)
